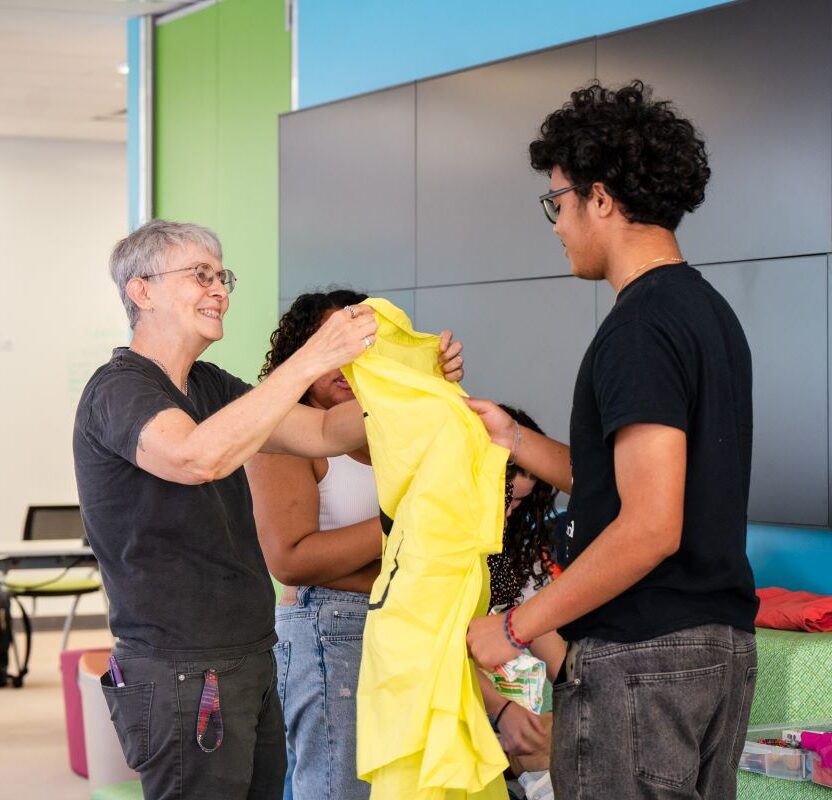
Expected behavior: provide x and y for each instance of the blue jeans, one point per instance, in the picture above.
(318, 657)
(662, 719)
(155, 717)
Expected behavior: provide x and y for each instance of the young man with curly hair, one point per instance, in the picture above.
(657, 601)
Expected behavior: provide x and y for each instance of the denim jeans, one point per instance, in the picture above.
(155, 717)
(663, 719)
(318, 657)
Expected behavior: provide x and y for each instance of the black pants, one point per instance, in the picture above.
(155, 716)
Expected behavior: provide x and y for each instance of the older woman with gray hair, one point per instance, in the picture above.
(159, 443)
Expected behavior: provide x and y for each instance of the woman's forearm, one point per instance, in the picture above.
(321, 557)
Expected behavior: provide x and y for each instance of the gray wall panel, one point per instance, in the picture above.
(403, 298)
(477, 207)
(782, 307)
(347, 190)
(524, 340)
(755, 79)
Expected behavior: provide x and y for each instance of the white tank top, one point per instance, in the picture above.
(347, 493)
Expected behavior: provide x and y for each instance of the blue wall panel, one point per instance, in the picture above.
(799, 559)
(133, 137)
(349, 48)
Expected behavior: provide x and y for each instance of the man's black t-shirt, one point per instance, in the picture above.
(671, 352)
(182, 566)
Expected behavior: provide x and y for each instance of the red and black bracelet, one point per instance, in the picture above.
(508, 629)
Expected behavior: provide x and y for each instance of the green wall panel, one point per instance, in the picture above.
(223, 74)
(186, 115)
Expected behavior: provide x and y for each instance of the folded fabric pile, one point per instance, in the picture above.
(794, 611)
(820, 743)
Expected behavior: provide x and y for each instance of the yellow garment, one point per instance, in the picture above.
(423, 733)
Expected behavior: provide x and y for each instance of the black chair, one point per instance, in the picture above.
(55, 522)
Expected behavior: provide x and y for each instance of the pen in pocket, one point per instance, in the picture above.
(115, 673)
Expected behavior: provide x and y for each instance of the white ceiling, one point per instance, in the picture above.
(58, 61)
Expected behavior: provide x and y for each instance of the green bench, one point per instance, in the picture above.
(131, 790)
(794, 684)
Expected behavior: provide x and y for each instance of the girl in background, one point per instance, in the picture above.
(527, 563)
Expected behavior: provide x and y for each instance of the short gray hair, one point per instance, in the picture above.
(143, 252)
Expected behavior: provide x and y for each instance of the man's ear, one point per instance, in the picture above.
(137, 291)
(601, 200)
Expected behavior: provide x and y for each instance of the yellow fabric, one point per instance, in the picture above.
(423, 733)
(65, 585)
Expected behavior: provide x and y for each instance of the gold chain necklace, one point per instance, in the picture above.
(644, 266)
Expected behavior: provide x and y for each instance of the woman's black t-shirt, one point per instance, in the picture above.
(671, 352)
(181, 564)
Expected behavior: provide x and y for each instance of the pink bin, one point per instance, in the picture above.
(74, 713)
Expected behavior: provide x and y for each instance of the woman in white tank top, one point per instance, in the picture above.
(317, 521)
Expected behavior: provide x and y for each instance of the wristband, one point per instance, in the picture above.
(508, 630)
(500, 714)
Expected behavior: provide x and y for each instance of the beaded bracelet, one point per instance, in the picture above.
(508, 630)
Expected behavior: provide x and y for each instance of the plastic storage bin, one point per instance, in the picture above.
(791, 764)
(74, 711)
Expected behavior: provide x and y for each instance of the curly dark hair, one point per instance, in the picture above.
(648, 158)
(530, 534)
(302, 320)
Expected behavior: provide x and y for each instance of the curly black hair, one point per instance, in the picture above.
(302, 319)
(530, 534)
(648, 158)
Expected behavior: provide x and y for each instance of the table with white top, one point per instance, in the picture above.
(45, 554)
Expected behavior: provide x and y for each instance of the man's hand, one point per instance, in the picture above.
(487, 642)
(521, 732)
(450, 357)
(534, 452)
(499, 424)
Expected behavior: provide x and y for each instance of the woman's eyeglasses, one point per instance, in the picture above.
(204, 274)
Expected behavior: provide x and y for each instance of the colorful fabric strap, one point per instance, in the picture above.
(209, 709)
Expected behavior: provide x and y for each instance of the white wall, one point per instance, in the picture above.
(62, 207)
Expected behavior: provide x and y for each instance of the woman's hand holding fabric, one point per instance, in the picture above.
(500, 426)
(340, 340)
(450, 357)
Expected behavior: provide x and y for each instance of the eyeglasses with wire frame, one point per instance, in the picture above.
(550, 209)
(204, 274)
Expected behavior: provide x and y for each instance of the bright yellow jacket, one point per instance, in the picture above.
(423, 733)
